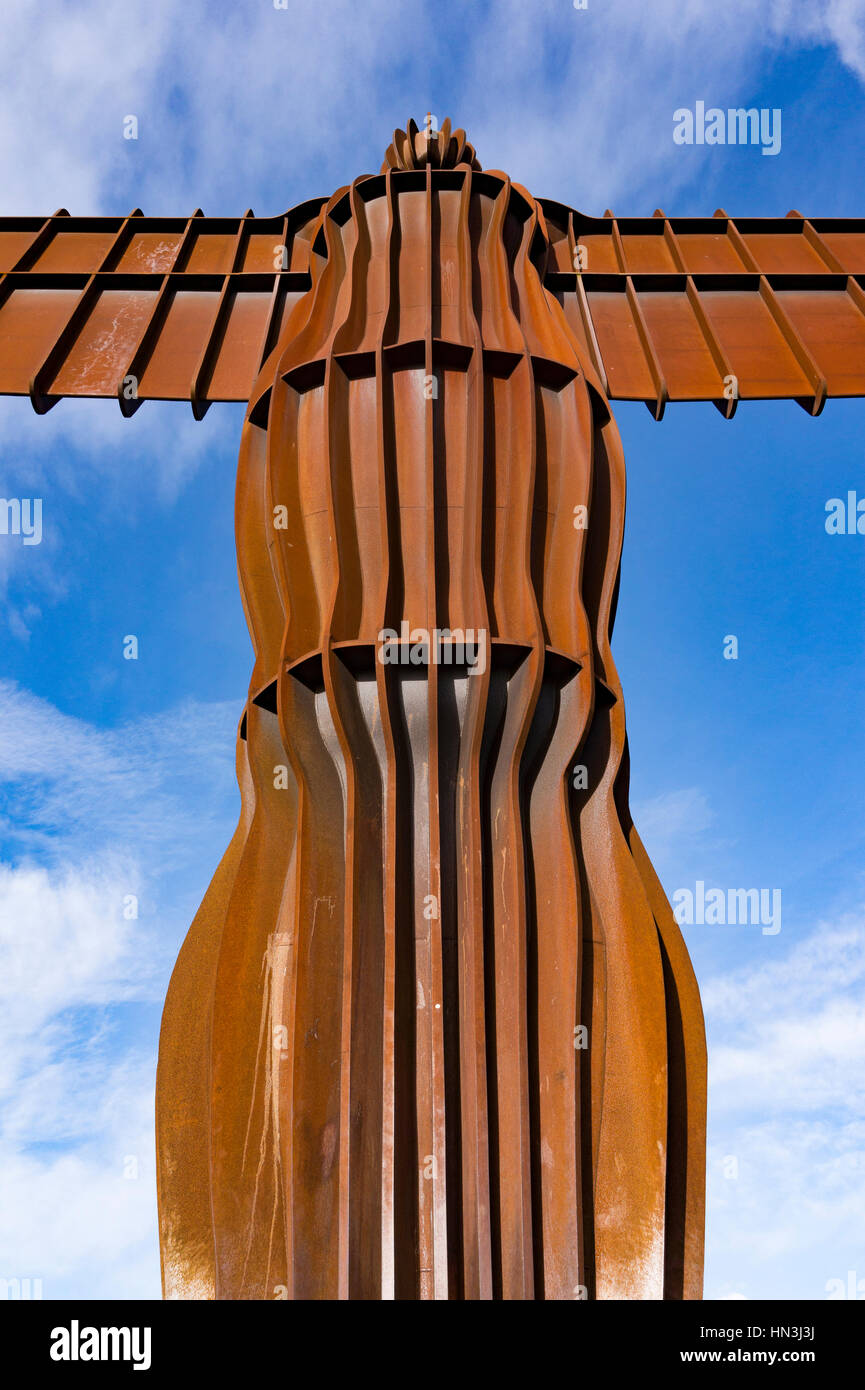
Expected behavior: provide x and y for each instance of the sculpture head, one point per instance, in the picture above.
(414, 148)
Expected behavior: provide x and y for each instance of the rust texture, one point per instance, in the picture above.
(376, 1014)
(666, 309)
(434, 1032)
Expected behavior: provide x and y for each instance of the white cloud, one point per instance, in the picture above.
(145, 810)
(64, 944)
(77, 1202)
(790, 1219)
(806, 1061)
(91, 452)
(585, 98)
(77, 787)
(840, 23)
(789, 1036)
(84, 452)
(82, 1217)
(787, 1103)
(319, 86)
(815, 970)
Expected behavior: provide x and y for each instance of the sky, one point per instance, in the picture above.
(117, 777)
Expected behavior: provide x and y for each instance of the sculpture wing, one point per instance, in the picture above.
(712, 309)
(668, 309)
(146, 308)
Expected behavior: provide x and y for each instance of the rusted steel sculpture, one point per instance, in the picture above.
(434, 1032)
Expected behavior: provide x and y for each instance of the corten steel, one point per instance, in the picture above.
(368, 1081)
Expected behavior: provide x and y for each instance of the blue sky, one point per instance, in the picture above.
(117, 777)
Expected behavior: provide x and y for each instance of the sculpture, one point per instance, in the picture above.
(434, 1032)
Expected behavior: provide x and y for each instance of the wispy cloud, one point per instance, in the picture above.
(313, 88)
(786, 1106)
(680, 832)
(159, 784)
(789, 1036)
(84, 456)
(110, 838)
(80, 1215)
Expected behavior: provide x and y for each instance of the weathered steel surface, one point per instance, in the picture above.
(664, 308)
(369, 1080)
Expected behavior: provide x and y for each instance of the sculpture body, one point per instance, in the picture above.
(434, 1032)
